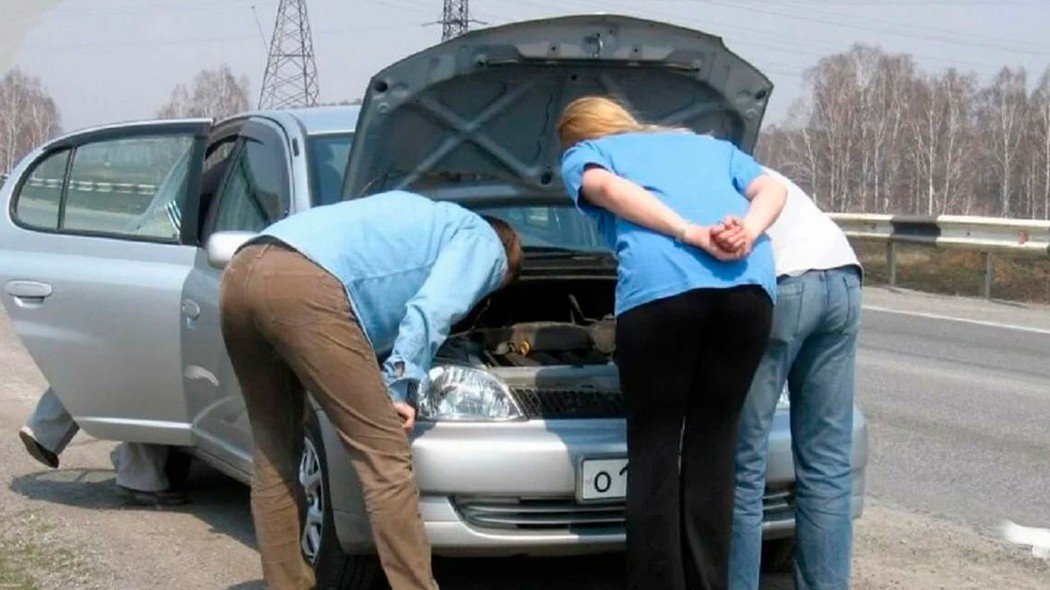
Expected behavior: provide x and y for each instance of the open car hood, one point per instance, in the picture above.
(478, 114)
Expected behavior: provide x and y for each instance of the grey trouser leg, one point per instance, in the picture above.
(50, 424)
(140, 466)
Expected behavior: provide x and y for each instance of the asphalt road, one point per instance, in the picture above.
(959, 411)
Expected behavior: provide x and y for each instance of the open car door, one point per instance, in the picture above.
(93, 255)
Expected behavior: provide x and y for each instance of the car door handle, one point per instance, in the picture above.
(28, 292)
(190, 309)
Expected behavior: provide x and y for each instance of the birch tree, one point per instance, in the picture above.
(1040, 112)
(28, 117)
(214, 93)
(1002, 117)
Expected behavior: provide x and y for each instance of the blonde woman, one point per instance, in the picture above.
(694, 303)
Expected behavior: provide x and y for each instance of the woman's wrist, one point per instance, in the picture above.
(683, 229)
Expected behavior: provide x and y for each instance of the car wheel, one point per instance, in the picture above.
(334, 569)
(778, 556)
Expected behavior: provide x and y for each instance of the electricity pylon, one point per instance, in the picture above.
(291, 72)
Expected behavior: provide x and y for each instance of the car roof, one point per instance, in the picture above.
(316, 120)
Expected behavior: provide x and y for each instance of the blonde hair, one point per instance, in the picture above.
(592, 117)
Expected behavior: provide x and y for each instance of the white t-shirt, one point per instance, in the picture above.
(804, 237)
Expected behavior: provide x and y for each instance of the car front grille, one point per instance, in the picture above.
(570, 403)
(538, 514)
(566, 514)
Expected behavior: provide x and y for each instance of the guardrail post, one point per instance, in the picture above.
(891, 262)
(986, 279)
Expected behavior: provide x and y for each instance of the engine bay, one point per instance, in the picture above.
(538, 323)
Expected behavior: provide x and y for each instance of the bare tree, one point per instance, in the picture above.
(1002, 109)
(1040, 111)
(214, 93)
(875, 134)
(28, 117)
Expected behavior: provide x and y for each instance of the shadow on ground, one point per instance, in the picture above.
(217, 500)
(223, 503)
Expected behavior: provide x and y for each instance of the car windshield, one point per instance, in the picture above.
(544, 228)
(328, 155)
(551, 228)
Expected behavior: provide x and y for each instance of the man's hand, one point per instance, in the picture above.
(407, 414)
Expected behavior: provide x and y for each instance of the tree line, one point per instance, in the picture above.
(873, 133)
(30, 117)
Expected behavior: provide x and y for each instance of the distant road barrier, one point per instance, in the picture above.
(89, 186)
(987, 235)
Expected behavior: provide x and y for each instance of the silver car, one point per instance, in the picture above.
(114, 240)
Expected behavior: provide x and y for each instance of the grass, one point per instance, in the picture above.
(1024, 279)
(13, 577)
(28, 554)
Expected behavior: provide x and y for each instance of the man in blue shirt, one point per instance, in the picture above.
(308, 306)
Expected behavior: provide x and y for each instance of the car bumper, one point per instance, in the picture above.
(509, 489)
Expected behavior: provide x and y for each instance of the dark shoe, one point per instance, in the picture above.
(36, 450)
(161, 498)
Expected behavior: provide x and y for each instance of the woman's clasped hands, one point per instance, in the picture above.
(728, 241)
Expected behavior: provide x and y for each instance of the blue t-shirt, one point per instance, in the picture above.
(703, 179)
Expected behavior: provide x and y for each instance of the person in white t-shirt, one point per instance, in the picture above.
(812, 348)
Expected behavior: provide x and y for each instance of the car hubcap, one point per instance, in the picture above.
(310, 477)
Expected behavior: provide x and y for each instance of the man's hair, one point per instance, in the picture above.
(511, 244)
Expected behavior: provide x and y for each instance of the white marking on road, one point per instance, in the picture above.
(1039, 539)
(934, 316)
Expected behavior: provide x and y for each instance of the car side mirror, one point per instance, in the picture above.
(223, 245)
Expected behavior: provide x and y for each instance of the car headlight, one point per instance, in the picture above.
(784, 401)
(464, 394)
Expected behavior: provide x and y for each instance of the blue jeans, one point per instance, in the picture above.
(812, 347)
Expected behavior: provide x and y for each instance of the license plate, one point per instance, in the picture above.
(602, 479)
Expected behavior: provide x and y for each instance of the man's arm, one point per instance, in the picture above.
(470, 266)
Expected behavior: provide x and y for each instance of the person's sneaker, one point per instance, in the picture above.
(37, 450)
(161, 498)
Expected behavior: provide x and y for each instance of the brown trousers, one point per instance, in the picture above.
(289, 329)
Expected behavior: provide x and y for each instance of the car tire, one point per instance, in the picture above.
(778, 556)
(333, 569)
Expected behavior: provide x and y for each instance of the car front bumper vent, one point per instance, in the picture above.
(570, 403)
(565, 514)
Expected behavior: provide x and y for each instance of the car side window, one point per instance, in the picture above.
(250, 198)
(126, 188)
(40, 196)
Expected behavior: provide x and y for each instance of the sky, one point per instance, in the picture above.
(115, 60)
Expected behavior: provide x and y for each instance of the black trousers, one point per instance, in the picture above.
(686, 364)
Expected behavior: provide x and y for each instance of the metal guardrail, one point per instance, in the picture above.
(987, 235)
(93, 186)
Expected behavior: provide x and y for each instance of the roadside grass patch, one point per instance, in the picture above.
(958, 272)
(12, 578)
(30, 554)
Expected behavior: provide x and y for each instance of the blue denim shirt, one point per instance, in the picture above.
(412, 268)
